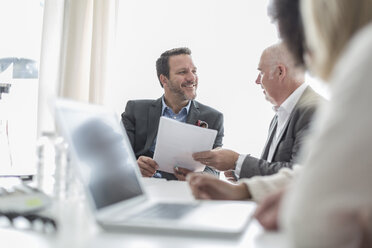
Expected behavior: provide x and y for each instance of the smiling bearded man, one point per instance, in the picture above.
(177, 76)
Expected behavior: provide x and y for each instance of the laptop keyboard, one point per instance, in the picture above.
(165, 211)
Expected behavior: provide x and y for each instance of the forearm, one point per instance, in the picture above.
(261, 186)
(259, 167)
(242, 192)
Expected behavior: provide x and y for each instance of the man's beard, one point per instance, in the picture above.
(179, 92)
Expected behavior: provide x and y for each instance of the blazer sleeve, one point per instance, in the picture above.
(129, 121)
(220, 131)
(217, 124)
(288, 152)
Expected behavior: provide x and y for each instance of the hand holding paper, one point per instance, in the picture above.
(177, 141)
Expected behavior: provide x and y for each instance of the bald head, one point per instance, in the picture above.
(278, 54)
(279, 76)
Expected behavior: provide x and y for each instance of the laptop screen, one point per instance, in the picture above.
(102, 152)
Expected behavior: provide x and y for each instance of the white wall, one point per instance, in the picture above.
(226, 39)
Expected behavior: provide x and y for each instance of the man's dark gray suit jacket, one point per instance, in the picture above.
(289, 144)
(141, 121)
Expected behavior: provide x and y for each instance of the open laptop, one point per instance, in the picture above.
(105, 162)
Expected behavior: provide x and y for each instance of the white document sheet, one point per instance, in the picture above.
(177, 141)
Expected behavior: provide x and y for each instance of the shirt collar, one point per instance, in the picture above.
(289, 103)
(165, 106)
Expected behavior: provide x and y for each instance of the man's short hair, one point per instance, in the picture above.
(162, 63)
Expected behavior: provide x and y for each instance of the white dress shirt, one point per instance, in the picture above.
(283, 112)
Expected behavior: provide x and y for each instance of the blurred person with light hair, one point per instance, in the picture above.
(330, 203)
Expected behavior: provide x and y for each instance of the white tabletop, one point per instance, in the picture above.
(78, 229)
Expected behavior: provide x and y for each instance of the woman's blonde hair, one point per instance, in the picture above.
(329, 25)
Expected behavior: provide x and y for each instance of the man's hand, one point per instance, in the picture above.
(267, 212)
(230, 176)
(218, 158)
(209, 187)
(147, 165)
(181, 173)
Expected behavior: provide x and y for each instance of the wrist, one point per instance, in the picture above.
(236, 157)
(243, 192)
(233, 159)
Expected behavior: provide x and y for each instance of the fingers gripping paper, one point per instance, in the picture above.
(177, 141)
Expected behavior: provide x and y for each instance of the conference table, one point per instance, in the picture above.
(77, 228)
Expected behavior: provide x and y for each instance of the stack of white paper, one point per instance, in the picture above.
(177, 141)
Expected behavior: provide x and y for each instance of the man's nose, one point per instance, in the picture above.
(191, 77)
(258, 79)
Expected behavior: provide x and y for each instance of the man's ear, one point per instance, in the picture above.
(163, 79)
(282, 72)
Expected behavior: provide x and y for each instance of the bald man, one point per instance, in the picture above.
(294, 104)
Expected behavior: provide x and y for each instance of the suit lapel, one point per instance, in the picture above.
(194, 112)
(289, 119)
(280, 136)
(284, 129)
(153, 122)
(273, 125)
